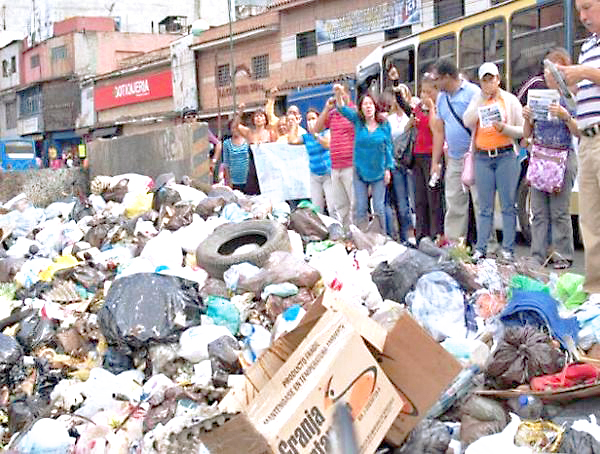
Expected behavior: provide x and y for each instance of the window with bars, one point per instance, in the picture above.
(13, 64)
(447, 10)
(223, 75)
(260, 66)
(58, 53)
(306, 44)
(5, 72)
(10, 111)
(347, 43)
(34, 61)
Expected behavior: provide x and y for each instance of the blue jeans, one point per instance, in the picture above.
(361, 200)
(400, 200)
(496, 174)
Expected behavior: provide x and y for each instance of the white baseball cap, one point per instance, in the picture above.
(488, 68)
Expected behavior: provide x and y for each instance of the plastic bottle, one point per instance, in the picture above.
(526, 406)
(458, 389)
(256, 339)
(433, 180)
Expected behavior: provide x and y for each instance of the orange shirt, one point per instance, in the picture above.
(489, 138)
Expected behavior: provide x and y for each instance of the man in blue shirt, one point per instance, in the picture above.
(455, 95)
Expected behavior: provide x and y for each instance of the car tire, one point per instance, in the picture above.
(218, 252)
(523, 210)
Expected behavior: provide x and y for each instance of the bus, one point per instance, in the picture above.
(18, 154)
(514, 35)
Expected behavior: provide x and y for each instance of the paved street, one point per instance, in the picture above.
(523, 251)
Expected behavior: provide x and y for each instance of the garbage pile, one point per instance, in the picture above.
(155, 317)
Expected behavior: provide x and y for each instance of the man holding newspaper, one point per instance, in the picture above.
(587, 77)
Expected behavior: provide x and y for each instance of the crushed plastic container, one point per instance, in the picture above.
(223, 313)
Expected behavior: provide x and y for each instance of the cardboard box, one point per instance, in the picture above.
(295, 411)
(420, 369)
(417, 366)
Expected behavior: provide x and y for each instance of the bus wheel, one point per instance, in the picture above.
(524, 210)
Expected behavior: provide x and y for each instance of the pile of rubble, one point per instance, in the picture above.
(155, 317)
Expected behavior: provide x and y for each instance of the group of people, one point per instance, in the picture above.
(354, 175)
(357, 177)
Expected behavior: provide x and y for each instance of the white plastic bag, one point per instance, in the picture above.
(163, 250)
(47, 436)
(438, 304)
(500, 443)
(193, 343)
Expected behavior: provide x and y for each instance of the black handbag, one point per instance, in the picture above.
(404, 145)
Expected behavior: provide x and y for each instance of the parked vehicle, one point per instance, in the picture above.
(18, 154)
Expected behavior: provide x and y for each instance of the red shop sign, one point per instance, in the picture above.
(134, 90)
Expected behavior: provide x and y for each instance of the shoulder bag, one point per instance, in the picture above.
(404, 144)
(547, 168)
(456, 116)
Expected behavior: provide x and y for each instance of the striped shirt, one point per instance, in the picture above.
(235, 157)
(341, 146)
(318, 156)
(588, 95)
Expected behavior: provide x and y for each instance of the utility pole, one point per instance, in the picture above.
(231, 61)
(569, 27)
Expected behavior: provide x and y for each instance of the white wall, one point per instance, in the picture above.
(135, 16)
(6, 53)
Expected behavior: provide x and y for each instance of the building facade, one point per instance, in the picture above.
(135, 98)
(12, 63)
(52, 106)
(302, 43)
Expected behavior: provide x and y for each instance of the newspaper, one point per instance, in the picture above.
(539, 101)
(489, 114)
(282, 170)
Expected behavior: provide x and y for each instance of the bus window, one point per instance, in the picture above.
(404, 61)
(482, 43)
(533, 32)
(432, 51)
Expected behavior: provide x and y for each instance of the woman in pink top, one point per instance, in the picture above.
(429, 190)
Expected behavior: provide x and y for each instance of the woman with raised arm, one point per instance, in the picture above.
(372, 156)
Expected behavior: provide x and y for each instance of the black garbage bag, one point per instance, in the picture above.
(308, 224)
(35, 291)
(96, 236)
(117, 360)
(223, 192)
(577, 442)
(81, 209)
(22, 411)
(395, 279)
(148, 307)
(523, 353)
(209, 206)
(10, 354)
(36, 331)
(90, 276)
(165, 196)
(429, 437)
(336, 231)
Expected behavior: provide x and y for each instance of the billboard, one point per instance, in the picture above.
(146, 87)
(392, 14)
